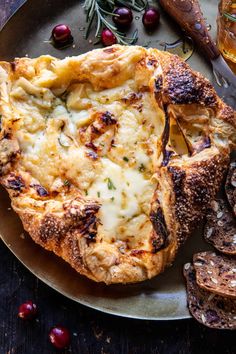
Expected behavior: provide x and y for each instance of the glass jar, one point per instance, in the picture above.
(226, 35)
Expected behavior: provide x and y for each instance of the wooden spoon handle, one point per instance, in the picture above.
(188, 14)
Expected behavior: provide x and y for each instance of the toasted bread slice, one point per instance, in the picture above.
(220, 228)
(212, 310)
(230, 186)
(216, 273)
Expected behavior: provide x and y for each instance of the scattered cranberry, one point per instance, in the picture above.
(27, 311)
(151, 18)
(108, 37)
(124, 17)
(59, 337)
(61, 35)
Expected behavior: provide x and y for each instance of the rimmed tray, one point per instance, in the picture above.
(162, 298)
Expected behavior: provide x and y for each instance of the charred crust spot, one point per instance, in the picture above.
(7, 136)
(102, 123)
(85, 220)
(165, 138)
(185, 87)
(9, 151)
(91, 145)
(132, 98)
(95, 130)
(181, 88)
(137, 253)
(15, 182)
(108, 118)
(158, 84)
(13, 66)
(178, 177)
(41, 191)
(160, 237)
(77, 218)
(52, 228)
(166, 157)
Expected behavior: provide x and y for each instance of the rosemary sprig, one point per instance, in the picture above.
(98, 10)
(138, 5)
(230, 17)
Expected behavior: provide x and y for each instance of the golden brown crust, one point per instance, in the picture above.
(193, 187)
(60, 216)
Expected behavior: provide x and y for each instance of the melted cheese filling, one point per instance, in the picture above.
(124, 194)
(120, 177)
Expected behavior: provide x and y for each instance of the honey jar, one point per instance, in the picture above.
(226, 34)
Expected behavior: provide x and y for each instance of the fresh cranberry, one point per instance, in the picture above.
(61, 34)
(27, 311)
(123, 18)
(151, 19)
(108, 37)
(59, 337)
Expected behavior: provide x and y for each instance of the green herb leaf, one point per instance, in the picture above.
(112, 199)
(66, 183)
(230, 17)
(125, 159)
(110, 184)
(141, 168)
(98, 194)
(98, 10)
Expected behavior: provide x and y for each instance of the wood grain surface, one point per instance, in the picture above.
(92, 332)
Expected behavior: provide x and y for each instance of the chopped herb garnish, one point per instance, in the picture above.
(86, 192)
(110, 184)
(98, 194)
(125, 159)
(141, 168)
(112, 199)
(66, 183)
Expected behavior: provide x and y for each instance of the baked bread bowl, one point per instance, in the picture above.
(111, 158)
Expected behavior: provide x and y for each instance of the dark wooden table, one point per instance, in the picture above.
(92, 331)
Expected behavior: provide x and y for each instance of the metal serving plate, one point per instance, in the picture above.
(162, 298)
